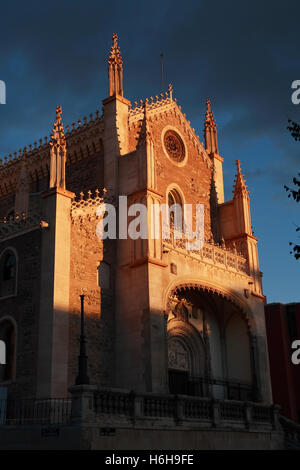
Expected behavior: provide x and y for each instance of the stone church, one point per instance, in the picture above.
(159, 319)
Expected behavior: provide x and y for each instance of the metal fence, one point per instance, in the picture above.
(35, 411)
(218, 388)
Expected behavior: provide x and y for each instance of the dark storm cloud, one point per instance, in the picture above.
(243, 55)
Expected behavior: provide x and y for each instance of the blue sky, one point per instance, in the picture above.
(243, 55)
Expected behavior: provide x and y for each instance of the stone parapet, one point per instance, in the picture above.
(20, 224)
(212, 254)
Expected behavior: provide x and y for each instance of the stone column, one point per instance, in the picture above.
(83, 404)
(52, 375)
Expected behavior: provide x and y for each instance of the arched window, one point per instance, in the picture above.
(175, 209)
(8, 272)
(9, 267)
(7, 335)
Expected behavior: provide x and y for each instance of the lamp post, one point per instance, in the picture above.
(82, 378)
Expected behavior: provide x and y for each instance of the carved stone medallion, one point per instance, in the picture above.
(174, 146)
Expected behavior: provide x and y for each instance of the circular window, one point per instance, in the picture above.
(174, 146)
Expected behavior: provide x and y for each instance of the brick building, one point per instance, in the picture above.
(159, 318)
(283, 328)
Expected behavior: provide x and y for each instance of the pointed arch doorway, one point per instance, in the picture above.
(210, 346)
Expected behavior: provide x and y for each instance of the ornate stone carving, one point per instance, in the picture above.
(181, 311)
(159, 169)
(177, 356)
(58, 152)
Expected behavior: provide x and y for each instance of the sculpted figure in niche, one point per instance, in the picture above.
(181, 311)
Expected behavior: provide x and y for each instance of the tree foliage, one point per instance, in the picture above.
(294, 192)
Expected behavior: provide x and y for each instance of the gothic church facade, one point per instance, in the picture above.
(159, 318)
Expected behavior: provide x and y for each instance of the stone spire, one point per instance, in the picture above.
(240, 187)
(58, 151)
(241, 203)
(210, 130)
(115, 69)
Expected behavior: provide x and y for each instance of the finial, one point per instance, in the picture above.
(170, 89)
(115, 40)
(115, 69)
(57, 152)
(209, 116)
(58, 114)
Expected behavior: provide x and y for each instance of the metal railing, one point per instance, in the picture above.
(218, 388)
(35, 411)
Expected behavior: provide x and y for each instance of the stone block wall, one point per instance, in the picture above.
(24, 309)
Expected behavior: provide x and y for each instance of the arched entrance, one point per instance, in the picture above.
(210, 349)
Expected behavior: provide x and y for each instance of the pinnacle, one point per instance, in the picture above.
(115, 54)
(58, 136)
(209, 116)
(240, 184)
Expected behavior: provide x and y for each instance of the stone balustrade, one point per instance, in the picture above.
(212, 254)
(118, 408)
